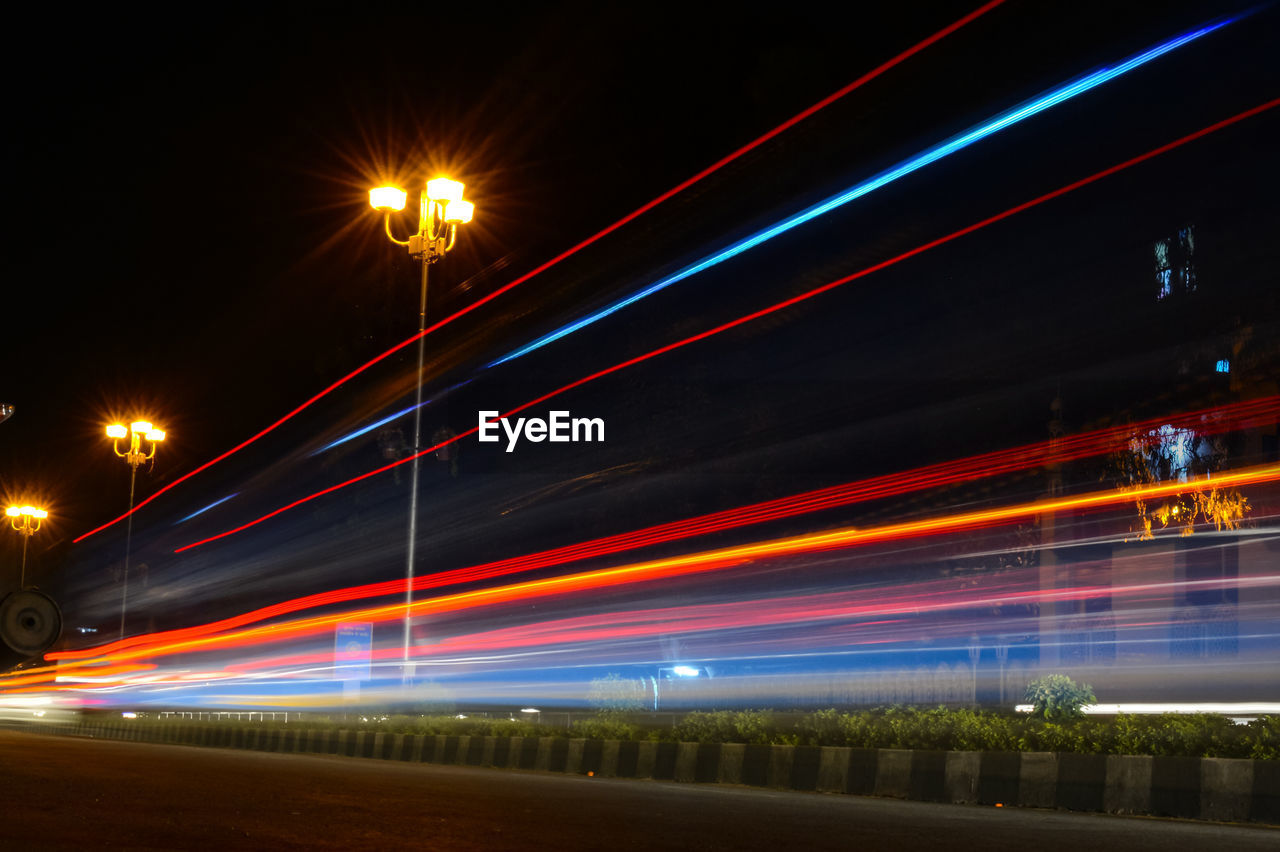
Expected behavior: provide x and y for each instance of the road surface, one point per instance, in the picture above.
(76, 793)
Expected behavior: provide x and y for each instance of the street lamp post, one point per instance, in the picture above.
(26, 520)
(135, 455)
(440, 211)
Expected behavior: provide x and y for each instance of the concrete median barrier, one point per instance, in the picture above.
(1219, 789)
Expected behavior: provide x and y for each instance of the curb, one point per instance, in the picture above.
(1210, 788)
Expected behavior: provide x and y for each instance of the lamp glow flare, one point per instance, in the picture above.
(26, 521)
(441, 209)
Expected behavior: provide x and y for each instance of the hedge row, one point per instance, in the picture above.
(1175, 735)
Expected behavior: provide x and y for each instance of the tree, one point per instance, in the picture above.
(1057, 696)
(614, 693)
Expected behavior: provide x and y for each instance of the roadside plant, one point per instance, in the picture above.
(1055, 697)
(727, 726)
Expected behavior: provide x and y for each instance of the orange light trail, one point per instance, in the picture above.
(1206, 421)
(695, 563)
(47, 674)
(885, 607)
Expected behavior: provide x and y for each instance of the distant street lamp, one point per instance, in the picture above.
(25, 520)
(440, 211)
(137, 432)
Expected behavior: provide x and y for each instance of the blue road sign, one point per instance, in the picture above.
(352, 651)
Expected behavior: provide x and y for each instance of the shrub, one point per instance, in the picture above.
(606, 726)
(1058, 697)
(727, 726)
(478, 726)
(1262, 738)
(825, 727)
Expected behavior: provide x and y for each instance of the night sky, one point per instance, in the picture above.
(189, 237)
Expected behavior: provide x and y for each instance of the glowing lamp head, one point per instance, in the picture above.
(387, 198)
(459, 212)
(117, 430)
(155, 435)
(140, 427)
(13, 511)
(443, 189)
(28, 510)
(39, 514)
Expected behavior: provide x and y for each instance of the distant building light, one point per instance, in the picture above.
(1175, 264)
(126, 714)
(530, 710)
(686, 671)
(1224, 366)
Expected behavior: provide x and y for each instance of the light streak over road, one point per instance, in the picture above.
(1210, 421)
(682, 566)
(714, 167)
(778, 306)
(946, 148)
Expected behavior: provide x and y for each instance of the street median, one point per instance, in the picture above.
(1223, 789)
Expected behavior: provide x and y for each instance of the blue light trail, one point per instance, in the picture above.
(943, 149)
(198, 512)
(364, 430)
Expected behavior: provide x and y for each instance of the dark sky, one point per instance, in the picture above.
(189, 237)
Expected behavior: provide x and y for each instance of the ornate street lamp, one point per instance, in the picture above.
(26, 520)
(137, 432)
(440, 211)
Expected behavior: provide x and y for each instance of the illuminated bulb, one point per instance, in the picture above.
(117, 430)
(459, 212)
(387, 198)
(443, 189)
(13, 511)
(39, 514)
(155, 435)
(140, 427)
(28, 510)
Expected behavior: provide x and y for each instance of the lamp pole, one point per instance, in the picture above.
(135, 455)
(441, 210)
(26, 521)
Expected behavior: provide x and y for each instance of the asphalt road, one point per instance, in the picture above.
(75, 793)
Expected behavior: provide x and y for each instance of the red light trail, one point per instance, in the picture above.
(877, 608)
(779, 306)
(681, 187)
(685, 565)
(1206, 422)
